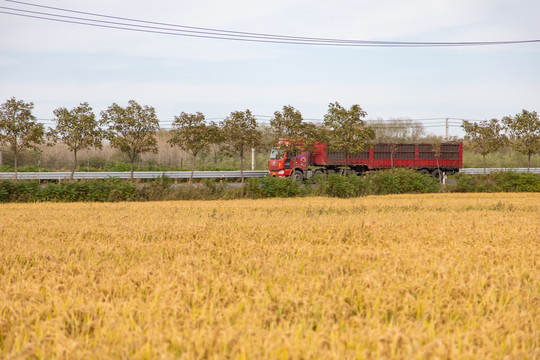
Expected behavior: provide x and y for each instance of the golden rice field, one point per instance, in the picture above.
(446, 276)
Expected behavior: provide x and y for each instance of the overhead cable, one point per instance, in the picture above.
(123, 23)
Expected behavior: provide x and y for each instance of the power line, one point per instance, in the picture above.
(265, 118)
(169, 125)
(210, 33)
(382, 122)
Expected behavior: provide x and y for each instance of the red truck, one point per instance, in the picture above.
(433, 159)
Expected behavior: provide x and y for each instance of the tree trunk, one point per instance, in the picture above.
(16, 163)
(344, 169)
(484, 156)
(242, 169)
(132, 165)
(192, 168)
(529, 163)
(74, 164)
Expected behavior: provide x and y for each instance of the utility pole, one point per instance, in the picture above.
(252, 158)
(446, 132)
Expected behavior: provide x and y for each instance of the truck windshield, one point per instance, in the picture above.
(277, 153)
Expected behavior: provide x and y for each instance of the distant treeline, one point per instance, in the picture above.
(129, 138)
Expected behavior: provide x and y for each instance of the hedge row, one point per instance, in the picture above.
(96, 190)
(396, 181)
(401, 181)
(507, 181)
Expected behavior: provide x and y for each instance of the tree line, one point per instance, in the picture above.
(521, 132)
(132, 130)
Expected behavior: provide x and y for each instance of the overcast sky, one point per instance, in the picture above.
(57, 64)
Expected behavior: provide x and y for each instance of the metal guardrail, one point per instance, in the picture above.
(186, 174)
(126, 175)
(480, 171)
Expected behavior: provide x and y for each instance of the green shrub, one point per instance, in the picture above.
(116, 189)
(25, 168)
(30, 168)
(26, 191)
(338, 186)
(158, 189)
(11, 191)
(269, 187)
(395, 181)
(398, 181)
(215, 189)
(92, 190)
(510, 181)
(501, 181)
(469, 183)
(118, 166)
(7, 189)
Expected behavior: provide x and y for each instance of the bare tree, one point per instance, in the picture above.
(397, 130)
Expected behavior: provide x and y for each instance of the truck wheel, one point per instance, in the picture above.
(298, 176)
(437, 174)
(424, 171)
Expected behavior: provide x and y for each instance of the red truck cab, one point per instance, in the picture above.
(283, 163)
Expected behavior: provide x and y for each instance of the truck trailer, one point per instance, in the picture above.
(432, 159)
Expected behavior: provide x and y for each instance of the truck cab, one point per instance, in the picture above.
(283, 163)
